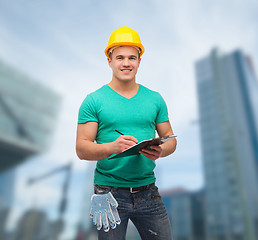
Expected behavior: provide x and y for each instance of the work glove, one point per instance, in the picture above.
(104, 211)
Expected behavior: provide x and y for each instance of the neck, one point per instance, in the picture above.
(125, 86)
(125, 89)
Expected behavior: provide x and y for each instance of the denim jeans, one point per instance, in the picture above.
(144, 208)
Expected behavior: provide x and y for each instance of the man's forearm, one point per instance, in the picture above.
(87, 150)
(168, 147)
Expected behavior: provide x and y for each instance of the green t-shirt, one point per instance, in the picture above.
(137, 117)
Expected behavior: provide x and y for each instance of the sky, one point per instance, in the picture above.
(61, 44)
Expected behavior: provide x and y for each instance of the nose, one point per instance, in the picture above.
(126, 62)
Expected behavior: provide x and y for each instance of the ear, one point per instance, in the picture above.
(109, 61)
(139, 62)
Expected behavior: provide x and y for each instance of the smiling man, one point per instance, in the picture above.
(125, 187)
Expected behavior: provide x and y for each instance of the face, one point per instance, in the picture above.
(124, 63)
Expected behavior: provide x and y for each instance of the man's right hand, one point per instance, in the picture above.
(122, 143)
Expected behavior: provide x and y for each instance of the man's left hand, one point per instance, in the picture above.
(152, 154)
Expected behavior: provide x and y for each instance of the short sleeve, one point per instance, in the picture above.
(87, 111)
(163, 111)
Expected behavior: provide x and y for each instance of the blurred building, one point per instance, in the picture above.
(7, 193)
(28, 112)
(228, 100)
(6, 198)
(33, 225)
(186, 213)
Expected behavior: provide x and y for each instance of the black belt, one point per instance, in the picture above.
(136, 189)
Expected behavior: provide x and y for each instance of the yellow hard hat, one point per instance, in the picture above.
(124, 36)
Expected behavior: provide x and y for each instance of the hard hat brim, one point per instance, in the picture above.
(109, 47)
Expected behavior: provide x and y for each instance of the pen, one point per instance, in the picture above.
(119, 132)
(122, 134)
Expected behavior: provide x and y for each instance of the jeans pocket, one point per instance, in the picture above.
(155, 192)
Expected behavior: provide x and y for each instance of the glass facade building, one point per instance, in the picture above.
(28, 112)
(6, 193)
(7, 180)
(186, 213)
(227, 96)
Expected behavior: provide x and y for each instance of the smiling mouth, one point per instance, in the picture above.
(126, 70)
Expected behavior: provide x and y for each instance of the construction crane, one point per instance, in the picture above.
(59, 224)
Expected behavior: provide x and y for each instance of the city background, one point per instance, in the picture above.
(202, 57)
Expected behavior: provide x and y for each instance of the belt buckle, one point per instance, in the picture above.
(131, 190)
